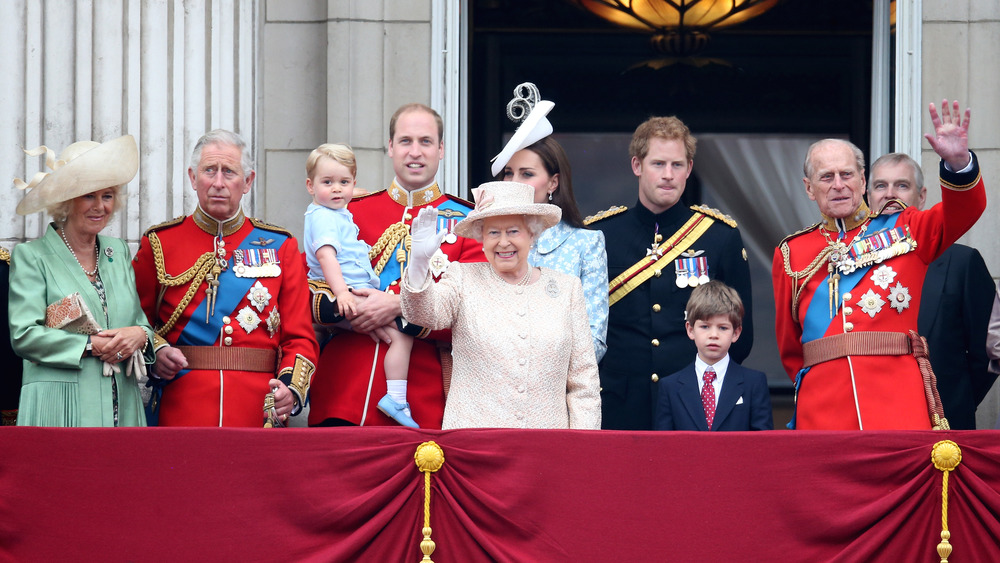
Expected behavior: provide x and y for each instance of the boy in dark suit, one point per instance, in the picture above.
(714, 393)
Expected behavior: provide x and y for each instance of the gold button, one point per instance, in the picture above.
(226, 320)
(393, 283)
(657, 273)
(228, 341)
(848, 327)
(848, 310)
(656, 342)
(655, 378)
(847, 297)
(228, 330)
(656, 308)
(407, 216)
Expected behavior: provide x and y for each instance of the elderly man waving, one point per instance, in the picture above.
(847, 290)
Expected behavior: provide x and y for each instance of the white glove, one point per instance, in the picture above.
(424, 242)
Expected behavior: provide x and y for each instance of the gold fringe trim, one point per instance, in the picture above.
(4, 255)
(429, 457)
(615, 210)
(715, 214)
(946, 455)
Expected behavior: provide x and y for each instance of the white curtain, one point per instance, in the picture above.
(757, 179)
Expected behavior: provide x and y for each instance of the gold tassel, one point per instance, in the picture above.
(429, 457)
(946, 456)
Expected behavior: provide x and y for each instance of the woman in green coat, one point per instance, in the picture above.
(79, 376)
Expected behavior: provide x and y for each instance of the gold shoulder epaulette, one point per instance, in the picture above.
(369, 194)
(164, 225)
(269, 227)
(714, 214)
(797, 233)
(4, 255)
(611, 212)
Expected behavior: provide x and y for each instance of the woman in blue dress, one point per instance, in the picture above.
(533, 157)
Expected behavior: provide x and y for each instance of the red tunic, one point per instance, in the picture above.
(231, 397)
(345, 370)
(890, 393)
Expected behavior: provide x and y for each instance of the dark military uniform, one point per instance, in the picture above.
(646, 334)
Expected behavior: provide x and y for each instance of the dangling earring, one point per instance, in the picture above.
(550, 196)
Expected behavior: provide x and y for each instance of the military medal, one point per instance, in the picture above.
(256, 263)
(273, 322)
(871, 303)
(703, 270)
(259, 296)
(248, 319)
(654, 251)
(682, 276)
(883, 276)
(448, 224)
(899, 297)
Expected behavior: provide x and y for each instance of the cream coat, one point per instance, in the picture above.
(523, 356)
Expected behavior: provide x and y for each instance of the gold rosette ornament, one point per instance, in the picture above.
(946, 455)
(429, 457)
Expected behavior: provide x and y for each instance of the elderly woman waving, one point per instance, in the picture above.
(74, 313)
(523, 356)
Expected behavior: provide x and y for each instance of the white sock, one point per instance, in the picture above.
(396, 389)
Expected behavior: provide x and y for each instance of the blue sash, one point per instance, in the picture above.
(199, 333)
(817, 320)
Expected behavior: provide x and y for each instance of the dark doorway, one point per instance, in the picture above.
(801, 69)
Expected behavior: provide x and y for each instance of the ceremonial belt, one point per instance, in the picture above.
(867, 343)
(229, 358)
(645, 268)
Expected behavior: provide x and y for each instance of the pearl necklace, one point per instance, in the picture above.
(97, 255)
(522, 282)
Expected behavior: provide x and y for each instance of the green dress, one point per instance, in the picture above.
(61, 387)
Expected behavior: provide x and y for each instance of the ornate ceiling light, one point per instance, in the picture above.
(679, 27)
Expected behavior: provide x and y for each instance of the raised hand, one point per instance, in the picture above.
(951, 134)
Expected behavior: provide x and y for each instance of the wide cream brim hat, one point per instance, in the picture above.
(494, 199)
(534, 128)
(82, 168)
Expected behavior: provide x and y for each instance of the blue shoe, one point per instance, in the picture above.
(400, 412)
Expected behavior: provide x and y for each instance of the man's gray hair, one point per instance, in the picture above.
(859, 157)
(897, 158)
(223, 137)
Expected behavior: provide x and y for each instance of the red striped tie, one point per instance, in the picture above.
(708, 396)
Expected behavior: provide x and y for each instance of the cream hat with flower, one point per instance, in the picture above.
(494, 199)
(82, 168)
(525, 106)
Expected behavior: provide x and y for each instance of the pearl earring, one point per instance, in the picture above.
(550, 196)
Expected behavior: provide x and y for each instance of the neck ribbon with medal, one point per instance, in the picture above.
(888, 241)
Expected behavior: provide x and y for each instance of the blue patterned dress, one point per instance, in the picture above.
(580, 253)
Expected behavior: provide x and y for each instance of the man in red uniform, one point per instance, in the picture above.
(350, 378)
(847, 290)
(228, 299)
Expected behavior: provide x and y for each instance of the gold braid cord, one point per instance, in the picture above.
(802, 276)
(946, 455)
(195, 274)
(429, 457)
(383, 246)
